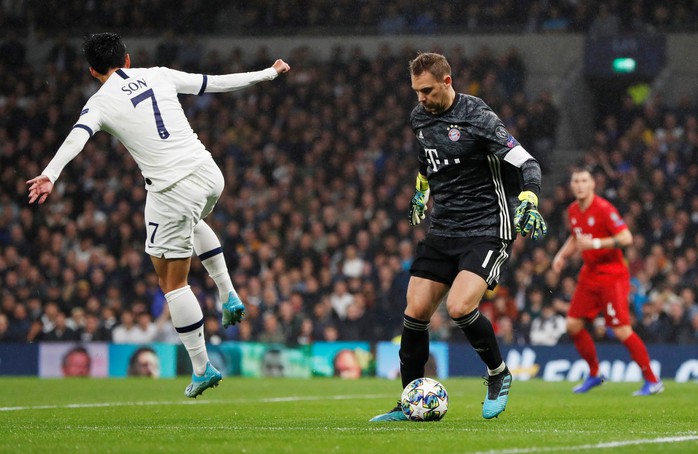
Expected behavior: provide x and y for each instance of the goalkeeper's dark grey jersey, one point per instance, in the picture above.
(473, 188)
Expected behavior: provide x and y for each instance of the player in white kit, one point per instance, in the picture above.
(139, 107)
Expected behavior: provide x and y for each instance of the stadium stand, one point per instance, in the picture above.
(317, 191)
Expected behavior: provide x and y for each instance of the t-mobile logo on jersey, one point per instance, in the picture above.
(435, 162)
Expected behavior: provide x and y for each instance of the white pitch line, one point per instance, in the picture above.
(194, 402)
(609, 444)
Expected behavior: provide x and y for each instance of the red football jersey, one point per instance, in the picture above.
(599, 220)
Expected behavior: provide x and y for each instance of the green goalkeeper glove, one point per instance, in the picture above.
(418, 205)
(527, 219)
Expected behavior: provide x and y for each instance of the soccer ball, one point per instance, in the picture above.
(424, 399)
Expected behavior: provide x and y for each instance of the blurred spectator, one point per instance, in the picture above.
(678, 327)
(12, 50)
(134, 329)
(547, 327)
(245, 331)
(305, 333)
(555, 21)
(606, 23)
(62, 55)
(694, 325)
(272, 331)
(392, 22)
(213, 331)
(439, 327)
(600, 332)
(654, 321)
(167, 50)
(94, 331)
(20, 323)
(543, 117)
(61, 332)
(5, 335)
(330, 333)
(341, 299)
(290, 321)
(355, 326)
(352, 264)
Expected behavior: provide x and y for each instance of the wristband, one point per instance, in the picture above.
(529, 196)
(422, 183)
(616, 243)
(596, 243)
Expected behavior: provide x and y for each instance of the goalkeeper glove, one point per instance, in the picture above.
(527, 219)
(418, 205)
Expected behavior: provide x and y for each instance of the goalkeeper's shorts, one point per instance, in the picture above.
(441, 258)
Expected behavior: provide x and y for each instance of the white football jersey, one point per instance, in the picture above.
(139, 107)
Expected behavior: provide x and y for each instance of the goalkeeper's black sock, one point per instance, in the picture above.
(480, 333)
(414, 349)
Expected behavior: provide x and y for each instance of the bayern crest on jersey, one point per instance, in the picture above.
(591, 221)
(454, 134)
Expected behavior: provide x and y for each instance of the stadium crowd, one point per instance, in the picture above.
(289, 17)
(319, 173)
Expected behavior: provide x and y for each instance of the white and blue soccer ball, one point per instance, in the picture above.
(424, 399)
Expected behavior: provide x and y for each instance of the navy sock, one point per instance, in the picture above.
(414, 349)
(481, 336)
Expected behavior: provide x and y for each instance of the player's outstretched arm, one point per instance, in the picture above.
(229, 82)
(281, 66)
(39, 189)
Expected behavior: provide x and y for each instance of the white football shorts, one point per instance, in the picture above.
(171, 214)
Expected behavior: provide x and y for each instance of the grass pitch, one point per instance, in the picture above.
(246, 415)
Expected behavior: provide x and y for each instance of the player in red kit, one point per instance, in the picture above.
(599, 232)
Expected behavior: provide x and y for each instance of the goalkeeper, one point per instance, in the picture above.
(484, 189)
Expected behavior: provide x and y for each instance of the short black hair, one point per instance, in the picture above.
(431, 62)
(104, 51)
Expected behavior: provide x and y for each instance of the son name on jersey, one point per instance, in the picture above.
(134, 86)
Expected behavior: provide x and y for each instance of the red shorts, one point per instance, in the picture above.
(602, 293)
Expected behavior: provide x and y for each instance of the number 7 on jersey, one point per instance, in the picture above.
(162, 130)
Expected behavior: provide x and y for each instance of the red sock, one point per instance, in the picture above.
(587, 350)
(639, 354)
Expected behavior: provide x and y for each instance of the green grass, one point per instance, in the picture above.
(331, 416)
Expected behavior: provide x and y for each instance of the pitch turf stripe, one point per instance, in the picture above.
(607, 444)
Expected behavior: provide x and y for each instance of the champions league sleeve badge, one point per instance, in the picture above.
(503, 134)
